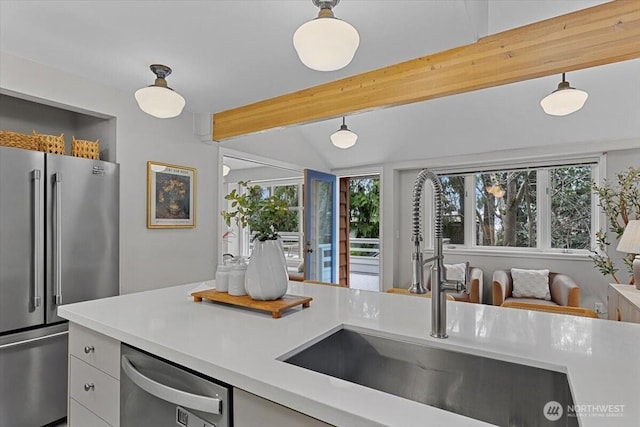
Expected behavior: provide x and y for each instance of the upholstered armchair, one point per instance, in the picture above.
(475, 287)
(562, 288)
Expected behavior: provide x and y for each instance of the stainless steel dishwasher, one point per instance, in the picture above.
(157, 393)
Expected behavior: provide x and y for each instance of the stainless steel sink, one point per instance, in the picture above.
(495, 391)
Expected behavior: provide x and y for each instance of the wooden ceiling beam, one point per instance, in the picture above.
(591, 37)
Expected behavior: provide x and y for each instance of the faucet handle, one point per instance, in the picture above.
(454, 286)
(467, 280)
(458, 285)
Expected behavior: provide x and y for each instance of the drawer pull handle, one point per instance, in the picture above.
(89, 349)
(88, 387)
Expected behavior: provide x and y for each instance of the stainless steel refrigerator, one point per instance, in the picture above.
(58, 245)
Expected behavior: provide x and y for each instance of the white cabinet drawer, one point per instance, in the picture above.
(79, 416)
(97, 391)
(95, 349)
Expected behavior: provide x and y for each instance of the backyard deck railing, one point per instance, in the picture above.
(364, 253)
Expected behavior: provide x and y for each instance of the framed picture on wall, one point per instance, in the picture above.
(171, 196)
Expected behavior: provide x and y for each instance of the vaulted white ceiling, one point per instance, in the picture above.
(229, 53)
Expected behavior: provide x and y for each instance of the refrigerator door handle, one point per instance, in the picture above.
(31, 340)
(57, 178)
(36, 173)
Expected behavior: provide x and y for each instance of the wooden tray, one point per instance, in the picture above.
(275, 307)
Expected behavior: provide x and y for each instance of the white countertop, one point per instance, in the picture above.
(241, 347)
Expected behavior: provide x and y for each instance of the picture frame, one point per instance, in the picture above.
(171, 195)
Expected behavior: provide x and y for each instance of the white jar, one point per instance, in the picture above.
(222, 277)
(236, 279)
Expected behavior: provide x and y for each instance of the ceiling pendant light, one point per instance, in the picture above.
(343, 137)
(564, 100)
(159, 100)
(326, 43)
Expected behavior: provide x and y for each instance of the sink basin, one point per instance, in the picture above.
(490, 390)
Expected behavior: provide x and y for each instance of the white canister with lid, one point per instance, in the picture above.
(222, 277)
(236, 279)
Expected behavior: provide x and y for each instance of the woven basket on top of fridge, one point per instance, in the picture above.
(51, 143)
(86, 149)
(19, 140)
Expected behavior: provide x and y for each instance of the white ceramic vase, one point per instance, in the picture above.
(266, 278)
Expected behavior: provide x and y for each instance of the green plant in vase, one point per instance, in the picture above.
(620, 203)
(266, 277)
(264, 216)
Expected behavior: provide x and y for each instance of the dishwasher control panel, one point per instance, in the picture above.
(185, 418)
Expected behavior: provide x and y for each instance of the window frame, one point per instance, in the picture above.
(543, 212)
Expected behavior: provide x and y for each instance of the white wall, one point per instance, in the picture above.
(397, 189)
(149, 258)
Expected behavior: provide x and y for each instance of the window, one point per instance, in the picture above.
(453, 209)
(291, 233)
(265, 193)
(543, 208)
(289, 193)
(571, 207)
(506, 208)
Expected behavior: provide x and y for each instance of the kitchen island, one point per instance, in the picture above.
(242, 347)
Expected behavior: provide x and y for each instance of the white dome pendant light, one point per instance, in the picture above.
(564, 100)
(159, 100)
(343, 137)
(326, 43)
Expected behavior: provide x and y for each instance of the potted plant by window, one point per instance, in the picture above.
(266, 277)
(620, 202)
